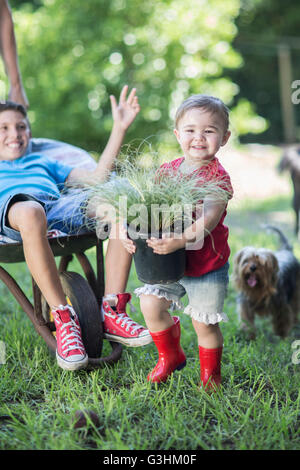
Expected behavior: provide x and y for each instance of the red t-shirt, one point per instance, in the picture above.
(215, 250)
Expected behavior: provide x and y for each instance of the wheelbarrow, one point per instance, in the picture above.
(84, 293)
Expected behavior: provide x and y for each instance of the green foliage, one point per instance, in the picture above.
(262, 25)
(74, 54)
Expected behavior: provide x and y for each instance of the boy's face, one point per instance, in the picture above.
(200, 135)
(14, 135)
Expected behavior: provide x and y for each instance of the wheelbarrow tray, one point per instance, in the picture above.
(61, 246)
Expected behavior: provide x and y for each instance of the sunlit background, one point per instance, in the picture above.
(74, 54)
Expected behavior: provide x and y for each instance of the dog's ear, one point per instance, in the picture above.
(272, 270)
(236, 266)
(272, 263)
(237, 257)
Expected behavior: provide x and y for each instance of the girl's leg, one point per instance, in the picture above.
(206, 301)
(156, 314)
(165, 332)
(209, 336)
(210, 344)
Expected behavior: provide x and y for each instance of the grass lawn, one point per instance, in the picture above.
(258, 406)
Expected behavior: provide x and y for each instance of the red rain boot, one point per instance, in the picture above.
(210, 366)
(170, 355)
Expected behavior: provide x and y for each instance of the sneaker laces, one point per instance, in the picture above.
(128, 322)
(70, 334)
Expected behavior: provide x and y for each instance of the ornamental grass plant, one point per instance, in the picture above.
(152, 200)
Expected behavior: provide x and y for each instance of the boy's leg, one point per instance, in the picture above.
(117, 267)
(118, 326)
(28, 217)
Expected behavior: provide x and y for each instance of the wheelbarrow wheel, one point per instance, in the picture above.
(84, 302)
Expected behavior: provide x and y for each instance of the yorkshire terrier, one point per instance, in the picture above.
(269, 284)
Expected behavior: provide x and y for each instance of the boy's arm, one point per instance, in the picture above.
(124, 113)
(8, 51)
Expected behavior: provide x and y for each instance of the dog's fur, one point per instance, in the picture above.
(269, 284)
(290, 161)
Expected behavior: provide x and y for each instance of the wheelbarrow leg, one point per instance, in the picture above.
(41, 328)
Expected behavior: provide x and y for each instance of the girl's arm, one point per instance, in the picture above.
(193, 236)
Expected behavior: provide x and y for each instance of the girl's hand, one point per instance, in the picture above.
(126, 111)
(166, 245)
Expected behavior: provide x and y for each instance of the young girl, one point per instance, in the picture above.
(201, 128)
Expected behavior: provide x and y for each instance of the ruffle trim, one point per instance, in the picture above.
(207, 318)
(161, 294)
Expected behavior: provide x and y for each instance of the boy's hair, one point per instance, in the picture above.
(208, 103)
(11, 105)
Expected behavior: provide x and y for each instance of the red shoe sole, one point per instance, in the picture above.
(161, 380)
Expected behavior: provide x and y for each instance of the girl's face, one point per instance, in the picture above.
(14, 135)
(200, 134)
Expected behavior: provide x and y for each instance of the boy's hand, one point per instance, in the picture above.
(18, 95)
(166, 245)
(128, 244)
(125, 112)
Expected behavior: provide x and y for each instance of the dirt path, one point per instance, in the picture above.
(253, 172)
(254, 175)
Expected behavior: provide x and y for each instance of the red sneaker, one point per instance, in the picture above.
(70, 352)
(119, 327)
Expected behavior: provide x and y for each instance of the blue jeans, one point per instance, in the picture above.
(65, 213)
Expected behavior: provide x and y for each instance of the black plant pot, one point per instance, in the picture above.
(152, 268)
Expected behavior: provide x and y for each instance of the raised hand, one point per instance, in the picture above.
(125, 112)
(18, 95)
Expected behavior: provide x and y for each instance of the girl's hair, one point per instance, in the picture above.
(11, 105)
(208, 103)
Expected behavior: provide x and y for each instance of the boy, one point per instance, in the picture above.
(29, 200)
(201, 128)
